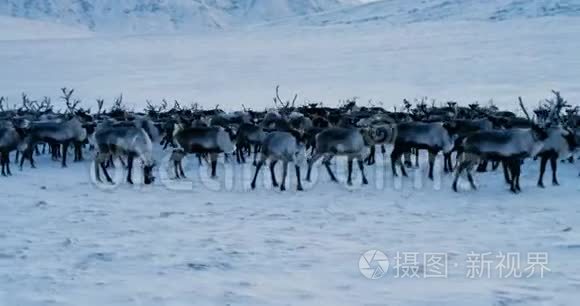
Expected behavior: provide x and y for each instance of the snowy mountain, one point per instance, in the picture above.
(34, 29)
(164, 15)
(406, 11)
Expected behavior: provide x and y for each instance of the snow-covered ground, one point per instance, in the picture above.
(465, 61)
(66, 241)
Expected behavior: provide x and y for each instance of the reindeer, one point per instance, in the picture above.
(9, 141)
(462, 128)
(248, 136)
(132, 140)
(204, 140)
(560, 143)
(350, 142)
(433, 137)
(509, 146)
(64, 133)
(287, 146)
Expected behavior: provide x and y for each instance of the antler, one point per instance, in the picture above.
(283, 105)
(66, 96)
(28, 105)
(100, 103)
(524, 108)
(556, 107)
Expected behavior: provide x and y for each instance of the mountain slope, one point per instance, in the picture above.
(163, 15)
(405, 11)
(33, 29)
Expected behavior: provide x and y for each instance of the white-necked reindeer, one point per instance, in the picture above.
(133, 140)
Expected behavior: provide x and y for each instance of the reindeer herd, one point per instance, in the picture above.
(479, 136)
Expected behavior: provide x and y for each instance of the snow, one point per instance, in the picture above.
(67, 241)
(24, 29)
(147, 16)
(405, 12)
(464, 61)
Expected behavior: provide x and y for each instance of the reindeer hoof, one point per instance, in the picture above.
(253, 186)
(282, 188)
(299, 188)
(541, 185)
(349, 183)
(365, 182)
(454, 186)
(555, 183)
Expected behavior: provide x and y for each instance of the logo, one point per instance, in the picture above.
(373, 264)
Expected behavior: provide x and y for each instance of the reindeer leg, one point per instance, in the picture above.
(78, 151)
(362, 171)
(462, 166)
(326, 163)
(22, 160)
(298, 179)
(554, 164)
(311, 162)
(403, 170)
(107, 176)
(447, 163)
(213, 157)
(482, 167)
(97, 171)
(238, 156)
(7, 162)
(349, 179)
(255, 154)
(395, 155)
(543, 162)
(518, 168)
(514, 177)
(284, 174)
(130, 168)
(506, 172)
(432, 156)
(258, 167)
(64, 150)
(181, 169)
(32, 164)
(272, 165)
(416, 158)
(370, 158)
(176, 168)
(3, 162)
(470, 179)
